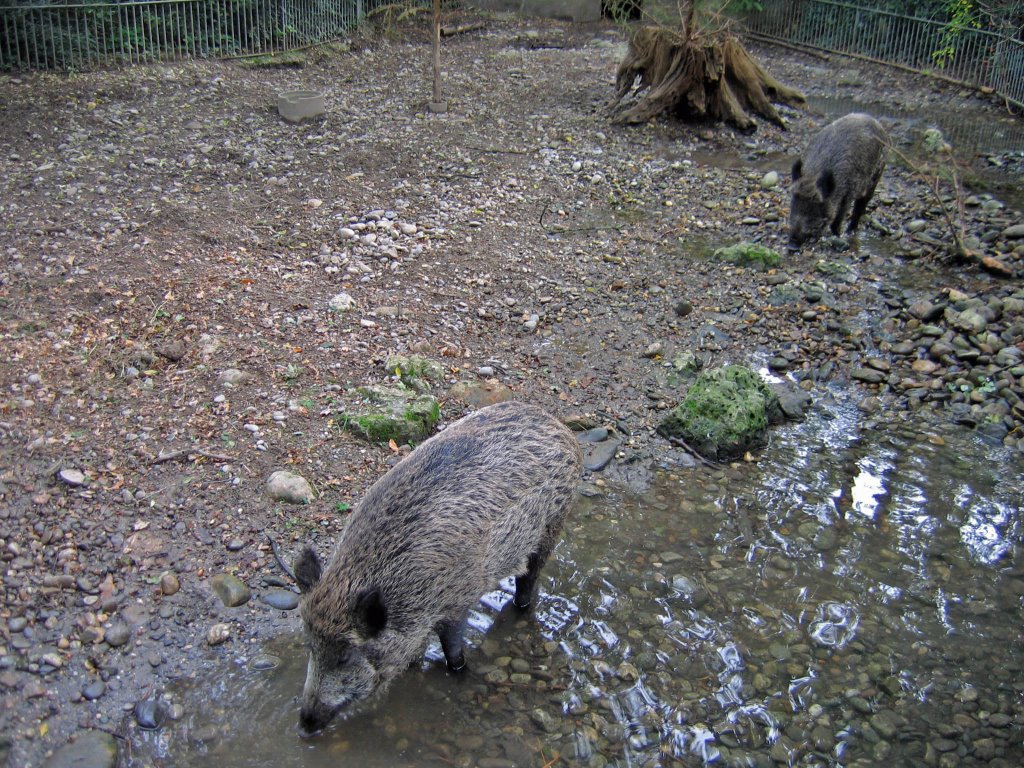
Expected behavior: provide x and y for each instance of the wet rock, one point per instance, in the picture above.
(281, 599)
(868, 375)
(793, 402)
(596, 456)
(887, 723)
(94, 690)
(231, 590)
(150, 714)
(88, 749)
(264, 662)
(770, 180)
(1014, 232)
(290, 488)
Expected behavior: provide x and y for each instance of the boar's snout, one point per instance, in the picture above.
(314, 717)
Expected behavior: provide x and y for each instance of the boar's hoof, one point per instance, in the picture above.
(458, 664)
(522, 606)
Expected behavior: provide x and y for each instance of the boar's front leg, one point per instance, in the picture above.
(450, 633)
(841, 211)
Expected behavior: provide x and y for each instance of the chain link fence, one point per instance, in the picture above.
(79, 36)
(964, 54)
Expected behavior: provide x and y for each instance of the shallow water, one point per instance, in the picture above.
(854, 597)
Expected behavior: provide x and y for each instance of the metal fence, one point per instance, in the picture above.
(86, 35)
(973, 56)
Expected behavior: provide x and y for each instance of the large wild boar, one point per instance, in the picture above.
(839, 171)
(481, 500)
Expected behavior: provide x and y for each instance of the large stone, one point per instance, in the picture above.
(89, 749)
(231, 590)
(383, 414)
(289, 487)
(725, 413)
(415, 371)
(478, 394)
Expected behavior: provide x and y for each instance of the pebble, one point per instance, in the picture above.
(218, 634)
(169, 583)
(94, 690)
(117, 634)
(72, 477)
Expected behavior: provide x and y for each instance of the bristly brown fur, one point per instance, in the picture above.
(481, 500)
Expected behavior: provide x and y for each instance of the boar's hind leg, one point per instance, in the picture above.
(450, 633)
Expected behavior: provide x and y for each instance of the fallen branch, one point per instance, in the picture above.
(460, 29)
(680, 443)
(187, 452)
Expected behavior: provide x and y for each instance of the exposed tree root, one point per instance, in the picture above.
(696, 77)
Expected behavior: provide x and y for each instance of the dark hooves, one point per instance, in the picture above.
(521, 606)
(458, 665)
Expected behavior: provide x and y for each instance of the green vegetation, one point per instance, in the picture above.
(750, 255)
(725, 413)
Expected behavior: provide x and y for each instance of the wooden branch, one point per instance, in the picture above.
(184, 453)
(460, 29)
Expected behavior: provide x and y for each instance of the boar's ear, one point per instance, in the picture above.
(307, 569)
(798, 169)
(826, 183)
(371, 611)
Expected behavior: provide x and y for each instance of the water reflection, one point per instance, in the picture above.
(860, 601)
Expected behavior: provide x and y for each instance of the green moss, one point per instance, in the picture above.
(397, 414)
(749, 255)
(415, 371)
(725, 413)
(275, 60)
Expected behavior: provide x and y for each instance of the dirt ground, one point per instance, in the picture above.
(171, 248)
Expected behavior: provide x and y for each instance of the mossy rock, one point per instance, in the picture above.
(415, 371)
(725, 413)
(749, 255)
(392, 413)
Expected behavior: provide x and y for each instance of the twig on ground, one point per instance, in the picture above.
(184, 453)
(680, 443)
(280, 560)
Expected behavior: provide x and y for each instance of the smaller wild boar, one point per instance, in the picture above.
(481, 500)
(839, 170)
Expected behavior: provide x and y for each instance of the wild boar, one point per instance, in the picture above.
(839, 170)
(481, 500)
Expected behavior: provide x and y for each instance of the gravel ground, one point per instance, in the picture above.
(171, 252)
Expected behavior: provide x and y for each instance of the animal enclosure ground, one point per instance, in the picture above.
(171, 250)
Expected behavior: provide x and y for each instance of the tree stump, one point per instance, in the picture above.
(699, 76)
